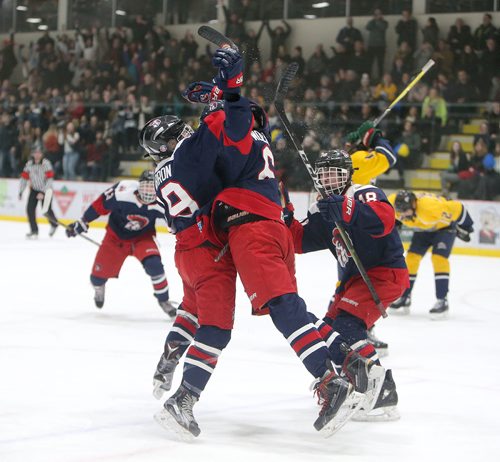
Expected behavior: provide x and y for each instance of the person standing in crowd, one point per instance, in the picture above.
(406, 28)
(376, 41)
(436, 221)
(69, 140)
(38, 171)
(348, 35)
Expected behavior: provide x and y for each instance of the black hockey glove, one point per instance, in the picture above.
(464, 234)
(76, 227)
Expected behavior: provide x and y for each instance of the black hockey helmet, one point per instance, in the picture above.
(405, 200)
(211, 107)
(261, 119)
(146, 191)
(334, 169)
(161, 134)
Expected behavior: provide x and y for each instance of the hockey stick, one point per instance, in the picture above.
(214, 36)
(57, 222)
(417, 78)
(279, 99)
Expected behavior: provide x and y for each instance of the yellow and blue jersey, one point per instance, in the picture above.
(434, 213)
(368, 165)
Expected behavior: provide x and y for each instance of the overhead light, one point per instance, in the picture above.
(213, 21)
(43, 27)
(34, 20)
(310, 16)
(21, 8)
(320, 5)
(121, 12)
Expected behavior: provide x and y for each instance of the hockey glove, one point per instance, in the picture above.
(331, 208)
(352, 137)
(230, 64)
(464, 234)
(202, 92)
(76, 227)
(368, 133)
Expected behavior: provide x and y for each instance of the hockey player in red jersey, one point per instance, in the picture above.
(246, 215)
(130, 232)
(369, 221)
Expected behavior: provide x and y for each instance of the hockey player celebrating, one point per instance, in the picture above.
(130, 231)
(369, 221)
(246, 214)
(370, 159)
(436, 221)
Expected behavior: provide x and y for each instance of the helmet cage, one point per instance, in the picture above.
(146, 190)
(334, 179)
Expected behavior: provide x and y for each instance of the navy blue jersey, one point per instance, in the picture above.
(222, 156)
(128, 216)
(246, 164)
(369, 221)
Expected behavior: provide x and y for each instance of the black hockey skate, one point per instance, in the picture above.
(339, 401)
(385, 408)
(168, 307)
(381, 347)
(366, 376)
(99, 296)
(177, 414)
(162, 380)
(440, 309)
(402, 304)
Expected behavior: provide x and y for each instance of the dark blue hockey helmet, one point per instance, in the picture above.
(211, 107)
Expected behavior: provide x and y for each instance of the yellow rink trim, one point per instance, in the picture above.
(94, 224)
(475, 251)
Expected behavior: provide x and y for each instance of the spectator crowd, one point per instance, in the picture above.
(85, 96)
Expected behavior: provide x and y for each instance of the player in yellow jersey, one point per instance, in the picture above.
(371, 158)
(436, 221)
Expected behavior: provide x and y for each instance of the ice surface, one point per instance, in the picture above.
(76, 382)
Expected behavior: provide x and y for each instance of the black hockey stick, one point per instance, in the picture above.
(279, 99)
(57, 222)
(214, 36)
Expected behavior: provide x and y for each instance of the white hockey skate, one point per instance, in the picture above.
(385, 408)
(339, 402)
(366, 376)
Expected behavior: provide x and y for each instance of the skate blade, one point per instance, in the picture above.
(168, 422)
(402, 311)
(158, 390)
(382, 414)
(351, 405)
(439, 316)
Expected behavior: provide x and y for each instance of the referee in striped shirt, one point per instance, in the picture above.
(38, 171)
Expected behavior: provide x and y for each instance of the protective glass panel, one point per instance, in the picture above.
(33, 16)
(89, 13)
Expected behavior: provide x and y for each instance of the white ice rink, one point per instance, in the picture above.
(75, 382)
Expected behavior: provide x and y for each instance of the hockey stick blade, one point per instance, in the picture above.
(214, 36)
(285, 80)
